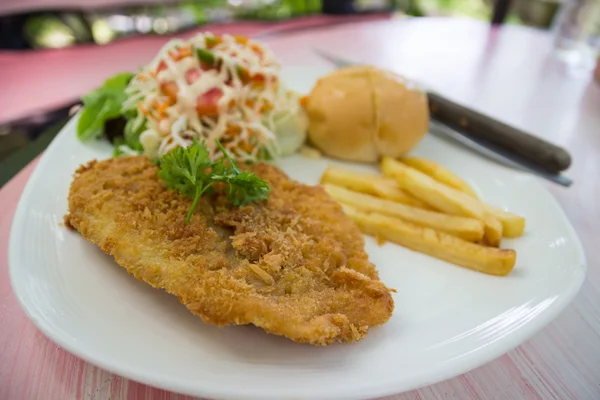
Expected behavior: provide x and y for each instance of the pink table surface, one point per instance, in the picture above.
(508, 73)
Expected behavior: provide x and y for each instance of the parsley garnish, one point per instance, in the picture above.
(192, 173)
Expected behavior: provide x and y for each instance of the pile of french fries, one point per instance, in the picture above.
(421, 205)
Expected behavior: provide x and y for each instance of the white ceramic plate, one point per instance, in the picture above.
(447, 321)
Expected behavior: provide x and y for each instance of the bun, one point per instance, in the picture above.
(362, 113)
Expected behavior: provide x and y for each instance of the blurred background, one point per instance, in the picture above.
(30, 26)
(35, 24)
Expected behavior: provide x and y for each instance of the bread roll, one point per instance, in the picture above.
(361, 113)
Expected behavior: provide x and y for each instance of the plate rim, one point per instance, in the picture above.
(468, 362)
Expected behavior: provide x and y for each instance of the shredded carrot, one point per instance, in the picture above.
(256, 48)
(266, 107)
(247, 147)
(143, 108)
(170, 89)
(213, 41)
(258, 85)
(233, 130)
(181, 52)
(163, 106)
(241, 40)
(303, 101)
(250, 104)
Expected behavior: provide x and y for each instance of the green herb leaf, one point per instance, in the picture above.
(191, 172)
(211, 41)
(205, 56)
(243, 73)
(102, 104)
(232, 163)
(244, 188)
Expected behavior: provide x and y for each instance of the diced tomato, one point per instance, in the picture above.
(258, 78)
(162, 65)
(207, 103)
(170, 89)
(192, 75)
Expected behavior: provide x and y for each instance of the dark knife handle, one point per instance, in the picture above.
(544, 154)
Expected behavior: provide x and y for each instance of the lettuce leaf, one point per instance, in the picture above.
(102, 104)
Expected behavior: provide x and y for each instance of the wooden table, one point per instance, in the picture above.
(507, 72)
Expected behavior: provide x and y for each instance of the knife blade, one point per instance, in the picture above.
(488, 136)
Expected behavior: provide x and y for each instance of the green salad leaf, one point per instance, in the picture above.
(102, 104)
(132, 133)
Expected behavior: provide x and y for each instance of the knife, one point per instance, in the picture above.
(489, 137)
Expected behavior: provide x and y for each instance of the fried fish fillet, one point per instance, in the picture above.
(293, 265)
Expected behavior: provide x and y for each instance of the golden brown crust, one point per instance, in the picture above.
(293, 265)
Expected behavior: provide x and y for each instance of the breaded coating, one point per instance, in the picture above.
(293, 265)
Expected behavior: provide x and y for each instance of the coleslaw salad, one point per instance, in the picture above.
(206, 88)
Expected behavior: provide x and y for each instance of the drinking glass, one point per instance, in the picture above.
(577, 32)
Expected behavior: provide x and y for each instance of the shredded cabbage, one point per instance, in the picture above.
(213, 87)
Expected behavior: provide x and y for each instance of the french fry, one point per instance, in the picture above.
(440, 245)
(469, 229)
(442, 197)
(493, 230)
(372, 184)
(513, 225)
(439, 173)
